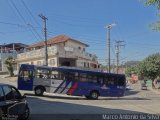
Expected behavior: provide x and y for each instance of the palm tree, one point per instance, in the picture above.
(9, 64)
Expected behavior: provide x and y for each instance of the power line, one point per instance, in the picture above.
(14, 24)
(21, 16)
(30, 12)
(18, 11)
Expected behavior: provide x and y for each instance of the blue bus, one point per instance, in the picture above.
(76, 82)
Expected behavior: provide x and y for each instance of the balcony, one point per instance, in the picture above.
(37, 53)
(75, 53)
(66, 52)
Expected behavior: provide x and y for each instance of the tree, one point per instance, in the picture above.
(156, 25)
(150, 67)
(130, 70)
(155, 3)
(9, 64)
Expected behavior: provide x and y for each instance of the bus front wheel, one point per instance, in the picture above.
(39, 91)
(94, 95)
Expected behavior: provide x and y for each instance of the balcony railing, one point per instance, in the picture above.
(53, 50)
(37, 53)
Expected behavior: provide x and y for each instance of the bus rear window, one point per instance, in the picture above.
(26, 75)
(121, 80)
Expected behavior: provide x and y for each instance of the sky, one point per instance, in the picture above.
(83, 20)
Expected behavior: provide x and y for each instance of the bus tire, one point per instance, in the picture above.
(39, 91)
(94, 95)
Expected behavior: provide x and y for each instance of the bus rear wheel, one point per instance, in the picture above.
(39, 91)
(94, 95)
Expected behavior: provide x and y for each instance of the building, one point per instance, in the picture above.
(62, 51)
(9, 50)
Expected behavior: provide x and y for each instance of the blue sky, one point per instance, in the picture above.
(84, 20)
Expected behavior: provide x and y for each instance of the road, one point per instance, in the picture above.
(135, 101)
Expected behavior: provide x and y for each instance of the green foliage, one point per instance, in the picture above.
(150, 67)
(154, 3)
(131, 70)
(156, 25)
(9, 64)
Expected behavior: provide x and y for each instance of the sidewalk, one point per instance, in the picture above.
(8, 80)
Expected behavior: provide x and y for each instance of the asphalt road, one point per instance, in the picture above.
(135, 101)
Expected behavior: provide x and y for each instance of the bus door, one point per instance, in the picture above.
(121, 84)
(25, 79)
(105, 89)
(112, 85)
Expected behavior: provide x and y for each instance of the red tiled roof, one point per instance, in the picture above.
(57, 39)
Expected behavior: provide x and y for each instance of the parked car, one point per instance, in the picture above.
(143, 87)
(12, 103)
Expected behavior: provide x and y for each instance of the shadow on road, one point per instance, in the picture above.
(56, 110)
(131, 92)
(83, 98)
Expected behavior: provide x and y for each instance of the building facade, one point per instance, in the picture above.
(62, 51)
(9, 50)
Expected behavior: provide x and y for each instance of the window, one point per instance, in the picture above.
(8, 93)
(100, 79)
(83, 77)
(62, 75)
(55, 74)
(52, 62)
(112, 80)
(43, 73)
(76, 76)
(68, 75)
(26, 75)
(92, 78)
(121, 80)
(16, 93)
(71, 76)
(1, 94)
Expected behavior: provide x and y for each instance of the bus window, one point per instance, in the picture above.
(100, 79)
(54, 74)
(112, 80)
(26, 75)
(76, 76)
(43, 73)
(63, 75)
(83, 77)
(71, 76)
(92, 78)
(121, 80)
(105, 80)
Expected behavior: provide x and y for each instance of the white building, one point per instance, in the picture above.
(62, 51)
(9, 50)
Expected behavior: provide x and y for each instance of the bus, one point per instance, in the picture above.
(70, 81)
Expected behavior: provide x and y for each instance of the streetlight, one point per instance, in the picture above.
(109, 59)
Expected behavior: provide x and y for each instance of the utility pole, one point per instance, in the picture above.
(45, 36)
(109, 45)
(118, 45)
